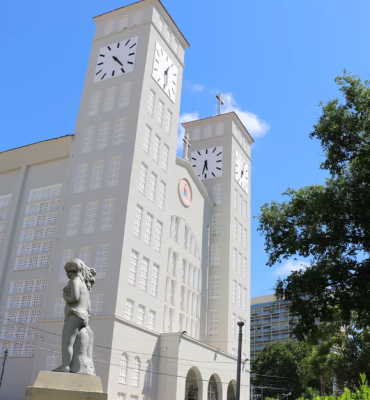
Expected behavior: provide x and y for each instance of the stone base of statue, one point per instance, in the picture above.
(65, 386)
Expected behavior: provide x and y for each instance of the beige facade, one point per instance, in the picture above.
(169, 289)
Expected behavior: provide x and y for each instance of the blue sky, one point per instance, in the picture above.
(273, 61)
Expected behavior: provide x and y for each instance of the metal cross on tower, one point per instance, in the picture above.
(220, 102)
(187, 145)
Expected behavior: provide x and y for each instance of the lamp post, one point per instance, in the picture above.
(240, 340)
(2, 372)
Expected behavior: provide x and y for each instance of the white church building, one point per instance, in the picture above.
(169, 237)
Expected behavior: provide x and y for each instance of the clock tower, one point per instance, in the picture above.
(220, 156)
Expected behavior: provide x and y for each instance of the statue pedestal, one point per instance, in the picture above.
(63, 386)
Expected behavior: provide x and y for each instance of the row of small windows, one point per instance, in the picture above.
(122, 396)
(100, 264)
(110, 99)
(123, 22)
(4, 211)
(208, 131)
(144, 274)
(240, 205)
(96, 306)
(188, 239)
(158, 115)
(135, 372)
(235, 328)
(103, 135)
(168, 35)
(140, 314)
(191, 275)
(91, 214)
(189, 324)
(97, 173)
(189, 302)
(18, 349)
(239, 295)
(240, 233)
(148, 233)
(155, 141)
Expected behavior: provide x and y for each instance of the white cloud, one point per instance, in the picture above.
(197, 88)
(185, 117)
(256, 126)
(290, 266)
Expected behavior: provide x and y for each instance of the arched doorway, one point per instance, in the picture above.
(193, 385)
(214, 388)
(231, 390)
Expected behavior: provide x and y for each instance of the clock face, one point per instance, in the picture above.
(116, 59)
(207, 163)
(241, 172)
(164, 72)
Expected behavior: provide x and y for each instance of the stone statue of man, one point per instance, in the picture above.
(77, 336)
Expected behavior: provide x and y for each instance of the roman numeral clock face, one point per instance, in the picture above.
(164, 72)
(207, 163)
(116, 59)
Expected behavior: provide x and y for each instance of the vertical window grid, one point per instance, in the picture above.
(146, 142)
(166, 151)
(124, 96)
(90, 217)
(160, 112)
(81, 176)
(162, 195)
(148, 229)
(142, 178)
(151, 102)
(168, 125)
(158, 236)
(156, 146)
(137, 221)
(107, 214)
(144, 274)
(97, 175)
(110, 94)
(103, 136)
(119, 131)
(152, 187)
(113, 171)
(87, 140)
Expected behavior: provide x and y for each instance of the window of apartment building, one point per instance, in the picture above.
(97, 175)
(142, 178)
(119, 131)
(124, 95)
(151, 102)
(107, 214)
(137, 221)
(144, 274)
(94, 103)
(113, 171)
(133, 268)
(87, 140)
(148, 229)
(90, 217)
(81, 176)
(103, 136)
(108, 104)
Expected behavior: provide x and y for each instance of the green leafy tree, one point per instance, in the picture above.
(277, 368)
(329, 224)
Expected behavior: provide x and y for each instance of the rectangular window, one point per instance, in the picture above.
(186, 237)
(166, 151)
(175, 45)
(214, 288)
(245, 210)
(235, 229)
(123, 24)
(101, 262)
(239, 298)
(67, 255)
(234, 291)
(137, 18)
(183, 270)
(167, 34)
(151, 102)
(90, 217)
(151, 320)
(213, 323)
(140, 315)
(85, 255)
(133, 268)
(240, 230)
(148, 229)
(124, 95)
(196, 134)
(219, 129)
(94, 103)
(175, 229)
(103, 136)
(137, 221)
(147, 135)
(160, 112)
(156, 146)
(244, 267)
(142, 178)
(216, 224)
(244, 238)
(235, 259)
(109, 99)
(207, 131)
(109, 27)
(158, 236)
(233, 326)
(119, 131)
(74, 220)
(244, 299)
(107, 214)
(59, 308)
(80, 178)
(87, 140)
(215, 255)
(97, 175)
(96, 305)
(240, 258)
(162, 195)
(240, 202)
(113, 171)
(173, 264)
(217, 194)
(154, 286)
(152, 187)
(129, 309)
(168, 122)
(235, 199)
(144, 274)
(121, 396)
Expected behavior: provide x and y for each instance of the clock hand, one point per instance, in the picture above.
(116, 59)
(205, 166)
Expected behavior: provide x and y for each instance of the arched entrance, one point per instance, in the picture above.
(214, 388)
(193, 385)
(231, 390)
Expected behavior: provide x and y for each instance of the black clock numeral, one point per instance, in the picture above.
(174, 83)
(131, 54)
(193, 158)
(194, 167)
(218, 168)
(129, 62)
(219, 161)
(103, 76)
(101, 63)
(213, 174)
(101, 55)
(205, 175)
(157, 51)
(214, 149)
(109, 48)
(158, 79)
(199, 153)
(113, 73)
(155, 69)
(174, 74)
(206, 151)
(132, 45)
(118, 45)
(99, 72)
(156, 60)
(122, 70)
(219, 153)
(127, 42)
(167, 58)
